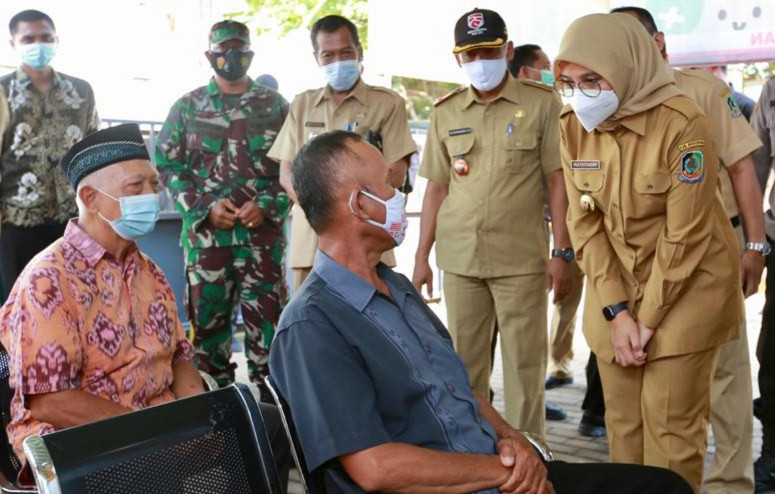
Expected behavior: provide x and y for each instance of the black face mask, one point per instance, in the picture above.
(231, 64)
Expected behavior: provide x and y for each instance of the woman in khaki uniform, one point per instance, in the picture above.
(651, 235)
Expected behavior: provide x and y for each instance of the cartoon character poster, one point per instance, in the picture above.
(703, 32)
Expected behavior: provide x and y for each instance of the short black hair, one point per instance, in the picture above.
(330, 24)
(314, 174)
(30, 15)
(643, 15)
(523, 55)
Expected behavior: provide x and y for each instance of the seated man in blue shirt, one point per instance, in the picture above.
(380, 399)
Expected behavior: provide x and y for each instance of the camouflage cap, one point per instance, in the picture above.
(224, 31)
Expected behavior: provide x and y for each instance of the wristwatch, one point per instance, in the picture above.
(762, 248)
(610, 311)
(566, 255)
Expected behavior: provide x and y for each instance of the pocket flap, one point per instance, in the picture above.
(652, 183)
(522, 142)
(459, 145)
(588, 181)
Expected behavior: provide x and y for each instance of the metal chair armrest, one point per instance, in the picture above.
(540, 446)
(209, 382)
(41, 465)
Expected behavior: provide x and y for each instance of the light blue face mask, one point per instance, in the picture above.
(547, 76)
(138, 215)
(342, 75)
(37, 55)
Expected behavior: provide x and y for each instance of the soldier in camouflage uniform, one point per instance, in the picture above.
(212, 157)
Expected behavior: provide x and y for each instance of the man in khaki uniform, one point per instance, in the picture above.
(652, 237)
(488, 147)
(531, 63)
(345, 103)
(731, 470)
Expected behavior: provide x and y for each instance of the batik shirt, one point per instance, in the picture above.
(78, 318)
(33, 190)
(213, 146)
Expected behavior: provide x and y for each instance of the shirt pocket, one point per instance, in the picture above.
(588, 182)
(459, 147)
(518, 150)
(651, 190)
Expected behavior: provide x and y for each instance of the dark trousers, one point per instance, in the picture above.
(281, 448)
(619, 478)
(765, 352)
(593, 399)
(18, 245)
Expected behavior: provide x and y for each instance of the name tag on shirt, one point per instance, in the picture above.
(585, 164)
(460, 132)
(314, 124)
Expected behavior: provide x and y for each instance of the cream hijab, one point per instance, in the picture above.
(619, 48)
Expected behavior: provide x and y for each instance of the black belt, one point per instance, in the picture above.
(735, 221)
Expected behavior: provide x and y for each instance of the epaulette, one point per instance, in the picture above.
(537, 84)
(449, 95)
(684, 105)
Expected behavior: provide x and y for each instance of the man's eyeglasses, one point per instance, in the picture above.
(588, 87)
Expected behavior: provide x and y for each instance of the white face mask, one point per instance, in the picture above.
(591, 112)
(485, 75)
(395, 215)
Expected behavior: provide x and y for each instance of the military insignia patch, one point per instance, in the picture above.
(733, 107)
(692, 167)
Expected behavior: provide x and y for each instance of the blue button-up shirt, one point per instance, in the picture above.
(360, 369)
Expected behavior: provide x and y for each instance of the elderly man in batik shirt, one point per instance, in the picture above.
(212, 156)
(49, 112)
(90, 326)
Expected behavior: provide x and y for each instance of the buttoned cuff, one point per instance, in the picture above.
(651, 316)
(611, 292)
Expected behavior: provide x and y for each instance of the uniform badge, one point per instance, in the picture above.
(733, 107)
(475, 20)
(691, 144)
(586, 202)
(519, 113)
(459, 132)
(692, 167)
(461, 166)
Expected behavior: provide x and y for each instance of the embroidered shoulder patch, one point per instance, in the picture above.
(691, 144)
(733, 107)
(692, 167)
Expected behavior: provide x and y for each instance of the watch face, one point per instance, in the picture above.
(767, 249)
(568, 255)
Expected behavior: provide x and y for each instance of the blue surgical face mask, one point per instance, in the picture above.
(36, 55)
(342, 75)
(138, 215)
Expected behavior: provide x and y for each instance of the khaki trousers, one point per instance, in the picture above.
(563, 326)
(731, 471)
(658, 414)
(519, 305)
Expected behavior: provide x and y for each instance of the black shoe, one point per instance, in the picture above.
(764, 473)
(554, 411)
(592, 425)
(554, 382)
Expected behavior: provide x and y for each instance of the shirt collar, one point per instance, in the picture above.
(359, 92)
(509, 92)
(78, 238)
(357, 291)
(90, 248)
(636, 123)
(24, 78)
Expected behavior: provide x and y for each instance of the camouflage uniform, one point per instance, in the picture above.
(214, 146)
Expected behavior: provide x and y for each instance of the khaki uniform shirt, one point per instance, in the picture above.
(491, 222)
(763, 122)
(734, 137)
(658, 236)
(313, 112)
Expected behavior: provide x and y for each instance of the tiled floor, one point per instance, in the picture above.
(562, 436)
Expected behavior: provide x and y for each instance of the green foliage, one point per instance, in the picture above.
(420, 95)
(279, 17)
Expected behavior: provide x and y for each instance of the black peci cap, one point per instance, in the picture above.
(480, 28)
